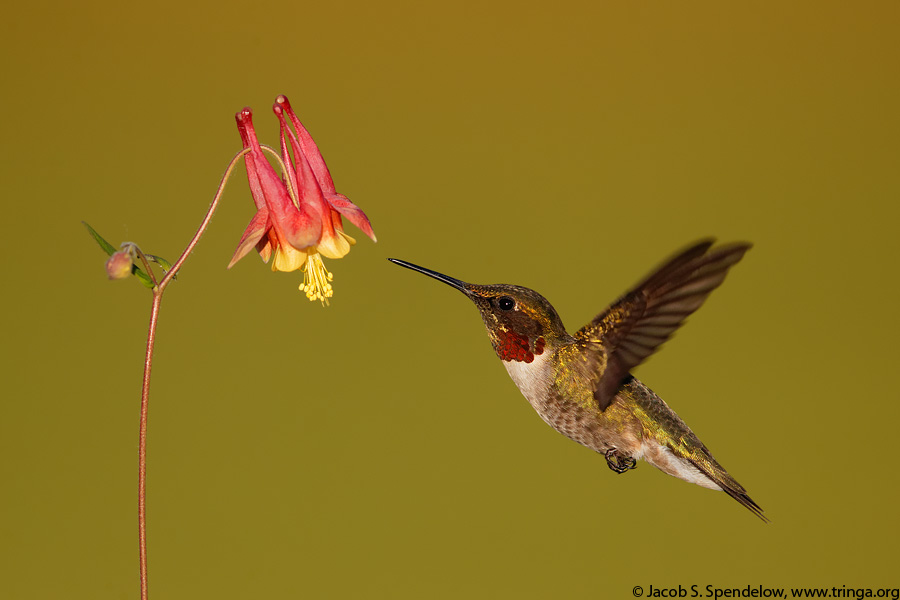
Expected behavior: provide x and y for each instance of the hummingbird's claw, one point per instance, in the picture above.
(619, 463)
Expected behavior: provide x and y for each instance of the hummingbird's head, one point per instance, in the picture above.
(520, 322)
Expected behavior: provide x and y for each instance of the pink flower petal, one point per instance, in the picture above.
(307, 145)
(353, 213)
(252, 235)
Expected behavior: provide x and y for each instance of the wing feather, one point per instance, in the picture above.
(637, 324)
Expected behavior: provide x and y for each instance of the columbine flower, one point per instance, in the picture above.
(298, 218)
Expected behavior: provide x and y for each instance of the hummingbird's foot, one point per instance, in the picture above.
(619, 463)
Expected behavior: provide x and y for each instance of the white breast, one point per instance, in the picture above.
(531, 378)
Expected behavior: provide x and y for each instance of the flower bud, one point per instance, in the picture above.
(119, 265)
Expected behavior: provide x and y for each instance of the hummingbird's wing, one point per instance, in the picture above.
(640, 321)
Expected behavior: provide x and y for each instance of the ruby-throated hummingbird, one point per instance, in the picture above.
(580, 384)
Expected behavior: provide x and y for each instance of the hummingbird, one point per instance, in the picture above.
(581, 385)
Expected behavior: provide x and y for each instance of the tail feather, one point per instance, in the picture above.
(730, 486)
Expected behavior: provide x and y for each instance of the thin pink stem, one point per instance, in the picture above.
(148, 364)
(146, 264)
(142, 442)
(209, 214)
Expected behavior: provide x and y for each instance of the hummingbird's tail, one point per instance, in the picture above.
(729, 485)
(696, 465)
(673, 448)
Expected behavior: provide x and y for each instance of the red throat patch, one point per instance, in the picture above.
(512, 346)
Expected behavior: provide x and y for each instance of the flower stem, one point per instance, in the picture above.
(146, 265)
(148, 364)
(142, 442)
(209, 214)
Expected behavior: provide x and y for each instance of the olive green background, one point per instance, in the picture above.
(377, 448)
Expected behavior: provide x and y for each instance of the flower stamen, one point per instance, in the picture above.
(316, 279)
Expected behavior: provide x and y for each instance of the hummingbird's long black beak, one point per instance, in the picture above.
(460, 285)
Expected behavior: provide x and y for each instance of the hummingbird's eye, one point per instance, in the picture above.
(506, 303)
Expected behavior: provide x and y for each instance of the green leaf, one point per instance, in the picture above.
(145, 279)
(110, 250)
(107, 247)
(166, 265)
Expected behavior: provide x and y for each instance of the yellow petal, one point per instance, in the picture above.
(349, 239)
(336, 246)
(288, 258)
